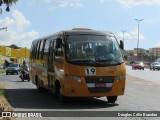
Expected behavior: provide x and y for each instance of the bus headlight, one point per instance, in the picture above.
(78, 79)
(121, 77)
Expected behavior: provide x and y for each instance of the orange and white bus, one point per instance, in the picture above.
(79, 63)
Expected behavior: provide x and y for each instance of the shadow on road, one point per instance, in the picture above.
(31, 99)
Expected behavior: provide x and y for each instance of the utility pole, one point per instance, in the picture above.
(123, 34)
(138, 20)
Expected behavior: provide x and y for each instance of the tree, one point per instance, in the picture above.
(131, 53)
(8, 3)
(14, 46)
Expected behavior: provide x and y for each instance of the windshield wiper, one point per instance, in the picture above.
(109, 61)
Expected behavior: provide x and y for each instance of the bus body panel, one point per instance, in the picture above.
(74, 88)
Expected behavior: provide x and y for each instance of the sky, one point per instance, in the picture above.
(31, 19)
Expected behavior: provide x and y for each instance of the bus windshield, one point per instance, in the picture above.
(93, 49)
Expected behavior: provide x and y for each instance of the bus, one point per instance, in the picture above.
(79, 63)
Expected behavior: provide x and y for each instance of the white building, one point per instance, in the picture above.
(155, 51)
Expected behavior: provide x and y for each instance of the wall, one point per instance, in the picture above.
(16, 55)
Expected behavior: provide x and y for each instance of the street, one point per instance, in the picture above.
(140, 95)
(147, 74)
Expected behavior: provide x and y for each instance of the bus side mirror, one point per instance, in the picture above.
(121, 45)
(58, 42)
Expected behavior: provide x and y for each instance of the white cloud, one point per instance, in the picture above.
(158, 44)
(16, 34)
(78, 3)
(132, 3)
(133, 35)
(45, 1)
(103, 1)
(62, 3)
(69, 3)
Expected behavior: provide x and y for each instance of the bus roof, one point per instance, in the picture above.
(87, 31)
(78, 31)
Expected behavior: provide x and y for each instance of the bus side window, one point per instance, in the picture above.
(35, 50)
(41, 49)
(38, 49)
(59, 51)
(46, 49)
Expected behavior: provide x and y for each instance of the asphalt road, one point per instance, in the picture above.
(147, 74)
(140, 95)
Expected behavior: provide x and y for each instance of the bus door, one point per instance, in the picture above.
(51, 66)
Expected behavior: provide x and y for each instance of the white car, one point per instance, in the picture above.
(154, 66)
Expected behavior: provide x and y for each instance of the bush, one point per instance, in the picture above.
(2, 71)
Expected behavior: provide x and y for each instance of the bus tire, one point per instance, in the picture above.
(111, 99)
(61, 98)
(59, 94)
(39, 88)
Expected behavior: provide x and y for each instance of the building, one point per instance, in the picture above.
(140, 50)
(155, 51)
(16, 55)
(132, 54)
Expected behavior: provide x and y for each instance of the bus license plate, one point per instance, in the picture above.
(100, 85)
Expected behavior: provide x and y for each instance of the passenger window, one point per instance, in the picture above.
(46, 50)
(59, 50)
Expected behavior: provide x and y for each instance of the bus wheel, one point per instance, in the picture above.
(39, 88)
(60, 96)
(111, 99)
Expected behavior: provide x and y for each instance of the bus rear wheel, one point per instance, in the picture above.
(39, 88)
(111, 99)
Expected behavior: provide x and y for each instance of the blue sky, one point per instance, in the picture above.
(30, 19)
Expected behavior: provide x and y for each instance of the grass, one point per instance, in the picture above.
(1, 92)
(2, 71)
(3, 100)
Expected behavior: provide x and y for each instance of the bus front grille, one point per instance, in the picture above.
(99, 83)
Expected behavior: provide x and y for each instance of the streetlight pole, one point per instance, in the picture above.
(138, 20)
(123, 34)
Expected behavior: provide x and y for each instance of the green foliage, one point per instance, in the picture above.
(125, 56)
(8, 3)
(2, 71)
(130, 53)
(1, 92)
(14, 46)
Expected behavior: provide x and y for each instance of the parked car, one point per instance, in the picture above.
(138, 65)
(13, 68)
(154, 66)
